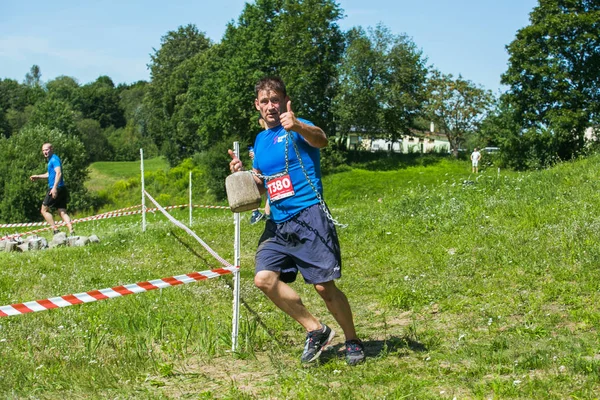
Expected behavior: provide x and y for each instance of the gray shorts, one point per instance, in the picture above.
(307, 243)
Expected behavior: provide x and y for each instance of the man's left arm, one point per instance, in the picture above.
(57, 176)
(311, 133)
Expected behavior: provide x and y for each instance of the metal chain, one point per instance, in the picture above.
(285, 172)
(319, 197)
(287, 164)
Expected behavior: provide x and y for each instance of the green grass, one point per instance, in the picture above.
(117, 184)
(462, 286)
(103, 174)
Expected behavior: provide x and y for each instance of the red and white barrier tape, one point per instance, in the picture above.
(28, 224)
(108, 214)
(25, 224)
(188, 230)
(205, 206)
(103, 294)
(100, 216)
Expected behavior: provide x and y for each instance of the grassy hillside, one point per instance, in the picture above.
(103, 174)
(462, 286)
(118, 184)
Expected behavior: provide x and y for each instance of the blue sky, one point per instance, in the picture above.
(85, 39)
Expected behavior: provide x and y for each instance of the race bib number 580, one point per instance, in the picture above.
(280, 188)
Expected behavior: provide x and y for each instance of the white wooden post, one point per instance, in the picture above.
(190, 198)
(143, 189)
(236, 274)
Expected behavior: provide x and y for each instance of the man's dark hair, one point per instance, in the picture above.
(273, 83)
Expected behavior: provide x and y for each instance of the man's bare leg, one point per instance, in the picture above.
(338, 305)
(66, 219)
(45, 211)
(286, 298)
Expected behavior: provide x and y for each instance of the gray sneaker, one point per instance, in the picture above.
(355, 352)
(316, 341)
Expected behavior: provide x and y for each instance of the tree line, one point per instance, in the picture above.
(369, 81)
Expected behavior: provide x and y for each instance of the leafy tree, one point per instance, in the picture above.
(553, 73)
(222, 91)
(309, 66)
(126, 143)
(63, 88)
(220, 96)
(54, 114)
(182, 139)
(12, 95)
(34, 77)
(4, 125)
(94, 140)
(99, 100)
(356, 104)
(33, 83)
(519, 149)
(220, 109)
(456, 106)
(382, 81)
(169, 78)
(176, 47)
(17, 119)
(214, 161)
(137, 112)
(132, 102)
(15, 99)
(22, 157)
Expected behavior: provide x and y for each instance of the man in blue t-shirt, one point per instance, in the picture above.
(300, 235)
(57, 195)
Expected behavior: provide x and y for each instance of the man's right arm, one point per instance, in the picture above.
(36, 177)
(259, 182)
(235, 165)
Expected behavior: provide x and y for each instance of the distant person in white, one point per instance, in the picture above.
(475, 157)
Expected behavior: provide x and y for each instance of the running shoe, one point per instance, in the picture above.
(355, 352)
(256, 216)
(316, 341)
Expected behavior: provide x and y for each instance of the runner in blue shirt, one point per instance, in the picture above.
(300, 236)
(57, 195)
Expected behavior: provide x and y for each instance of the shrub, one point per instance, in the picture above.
(333, 159)
(214, 162)
(22, 157)
(127, 142)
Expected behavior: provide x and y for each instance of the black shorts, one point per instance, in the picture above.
(61, 200)
(307, 243)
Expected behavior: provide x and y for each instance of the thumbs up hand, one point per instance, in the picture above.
(288, 119)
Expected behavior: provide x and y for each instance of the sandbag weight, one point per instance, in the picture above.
(242, 193)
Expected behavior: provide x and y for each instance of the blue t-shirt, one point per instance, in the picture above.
(269, 159)
(54, 162)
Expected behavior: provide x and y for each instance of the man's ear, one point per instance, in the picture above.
(256, 104)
